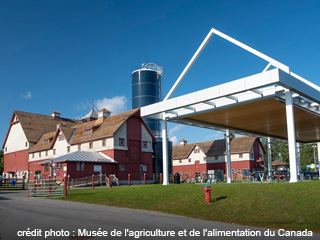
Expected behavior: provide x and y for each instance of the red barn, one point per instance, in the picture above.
(119, 144)
(198, 158)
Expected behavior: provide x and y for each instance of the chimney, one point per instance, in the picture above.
(103, 113)
(55, 114)
(183, 142)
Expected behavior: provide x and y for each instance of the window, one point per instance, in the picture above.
(180, 161)
(59, 165)
(203, 172)
(245, 171)
(239, 171)
(88, 132)
(68, 149)
(46, 141)
(6, 149)
(122, 167)
(39, 154)
(54, 152)
(91, 145)
(196, 150)
(121, 141)
(216, 157)
(32, 155)
(189, 160)
(61, 137)
(82, 167)
(79, 147)
(104, 143)
(26, 144)
(78, 167)
(240, 155)
(145, 144)
(144, 168)
(46, 167)
(46, 153)
(232, 171)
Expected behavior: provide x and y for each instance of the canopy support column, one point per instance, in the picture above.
(229, 180)
(269, 159)
(318, 144)
(291, 136)
(165, 161)
(298, 159)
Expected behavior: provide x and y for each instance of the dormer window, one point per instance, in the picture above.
(196, 150)
(46, 141)
(88, 131)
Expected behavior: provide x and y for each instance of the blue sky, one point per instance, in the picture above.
(61, 55)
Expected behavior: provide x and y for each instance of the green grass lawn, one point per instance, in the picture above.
(293, 206)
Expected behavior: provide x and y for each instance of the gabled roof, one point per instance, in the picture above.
(34, 125)
(216, 147)
(82, 156)
(75, 133)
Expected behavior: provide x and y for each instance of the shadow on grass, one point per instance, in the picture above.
(218, 199)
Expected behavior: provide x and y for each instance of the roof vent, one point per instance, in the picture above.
(183, 142)
(55, 114)
(104, 113)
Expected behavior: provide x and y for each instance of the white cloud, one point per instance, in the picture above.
(174, 140)
(27, 95)
(116, 104)
(216, 135)
(175, 129)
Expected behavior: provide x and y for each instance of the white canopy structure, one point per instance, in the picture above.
(274, 103)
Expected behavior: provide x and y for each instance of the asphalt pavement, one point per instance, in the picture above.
(34, 218)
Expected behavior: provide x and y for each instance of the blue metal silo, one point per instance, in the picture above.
(146, 89)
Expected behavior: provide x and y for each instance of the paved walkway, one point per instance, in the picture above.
(20, 213)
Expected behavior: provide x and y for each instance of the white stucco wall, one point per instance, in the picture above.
(16, 140)
(145, 136)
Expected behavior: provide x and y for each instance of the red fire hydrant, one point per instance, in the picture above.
(207, 190)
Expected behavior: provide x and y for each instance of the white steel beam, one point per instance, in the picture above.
(291, 137)
(189, 65)
(253, 51)
(229, 180)
(165, 160)
(298, 159)
(267, 67)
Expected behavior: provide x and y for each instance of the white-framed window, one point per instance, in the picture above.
(82, 167)
(78, 167)
(240, 155)
(104, 143)
(144, 144)
(88, 132)
(180, 161)
(239, 171)
(54, 152)
(144, 168)
(91, 145)
(121, 141)
(61, 137)
(79, 147)
(189, 160)
(32, 155)
(245, 171)
(122, 167)
(68, 149)
(232, 171)
(47, 153)
(39, 154)
(196, 151)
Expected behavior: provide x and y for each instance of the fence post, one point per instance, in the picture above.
(92, 181)
(110, 180)
(65, 187)
(129, 180)
(144, 179)
(101, 179)
(160, 178)
(68, 181)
